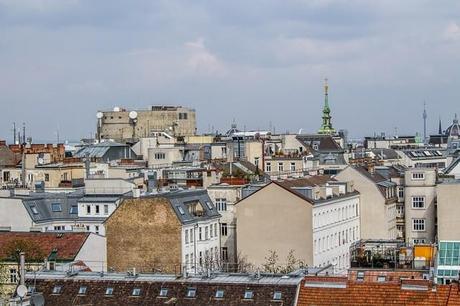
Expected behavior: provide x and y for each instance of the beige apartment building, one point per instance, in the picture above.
(420, 202)
(120, 126)
(378, 201)
(315, 217)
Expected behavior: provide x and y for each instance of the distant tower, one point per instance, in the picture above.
(424, 121)
(326, 127)
(440, 127)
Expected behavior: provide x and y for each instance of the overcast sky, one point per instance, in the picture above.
(255, 61)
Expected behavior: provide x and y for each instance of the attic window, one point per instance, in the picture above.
(219, 294)
(136, 292)
(360, 276)
(209, 205)
(34, 209)
(82, 290)
(181, 210)
(277, 295)
(56, 207)
(109, 291)
(73, 209)
(191, 293)
(381, 278)
(57, 289)
(164, 292)
(195, 208)
(248, 295)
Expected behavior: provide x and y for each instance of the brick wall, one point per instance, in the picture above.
(144, 233)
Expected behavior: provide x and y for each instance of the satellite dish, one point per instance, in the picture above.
(21, 291)
(41, 161)
(133, 115)
(99, 115)
(37, 300)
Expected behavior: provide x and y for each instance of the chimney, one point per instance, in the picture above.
(22, 266)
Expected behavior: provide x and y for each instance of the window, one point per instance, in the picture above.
(96, 229)
(223, 229)
(160, 155)
(215, 230)
(56, 207)
(418, 225)
(13, 276)
(401, 192)
(280, 167)
(183, 116)
(221, 204)
(34, 209)
(225, 254)
(97, 209)
(360, 276)
(418, 202)
(292, 168)
(57, 289)
(219, 294)
(181, 210)
(200, 231)
(268, 167)
(106, 209)
(82, 290)
(419, 241)
(88, 209)
(418, 176)
(209, 205)
(136, 292)
(277, 295)
(47, 177)
(248, 295)
(381, 278)
(164, 292)
(191, 293)
(210, 230)
(73, 209)
(186, 236)
(206, 235)
(109, 291)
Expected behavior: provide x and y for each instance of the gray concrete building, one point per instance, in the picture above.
(124, 125)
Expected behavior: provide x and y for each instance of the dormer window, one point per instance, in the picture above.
(191, 293)
(219, 294)
(195, 208)
(277, 295)
(82, 290)
(164, 292)
(136, 292)
(57, 289)
(56, 207)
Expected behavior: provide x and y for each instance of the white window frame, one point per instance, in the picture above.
(419, 225)
(419, 200)
(418, 176)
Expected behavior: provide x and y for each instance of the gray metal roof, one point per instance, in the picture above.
(221, 278)
(180, 200)
(40, 206)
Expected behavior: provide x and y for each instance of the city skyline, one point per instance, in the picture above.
(260, 63)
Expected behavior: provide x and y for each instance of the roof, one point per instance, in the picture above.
(7, 157)
(323, 290)
(180, 201)
(311, 181)
(324, 143)
(98, 150)
(233, 286)
(65, 245)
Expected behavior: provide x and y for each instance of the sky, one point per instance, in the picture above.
(260, 63)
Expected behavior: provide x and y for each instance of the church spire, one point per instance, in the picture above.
(326, 127)
(440, 127)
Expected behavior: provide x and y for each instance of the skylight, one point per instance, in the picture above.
(181, 210)
(34, 209)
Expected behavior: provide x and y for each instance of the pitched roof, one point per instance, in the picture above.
(7, 157)
(336, 291)
(311, 181)
(67, 244)
(324, 143)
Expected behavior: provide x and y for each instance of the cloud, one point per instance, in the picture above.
(201, 61)
(452, 32)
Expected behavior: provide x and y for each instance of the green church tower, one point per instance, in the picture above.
(326, 127)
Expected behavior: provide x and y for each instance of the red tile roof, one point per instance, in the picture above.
(67, 244)
(327, 291)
